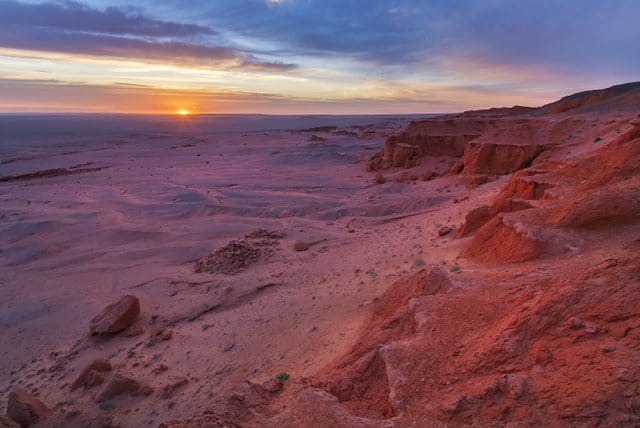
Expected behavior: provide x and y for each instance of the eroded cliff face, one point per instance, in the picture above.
(542, 327)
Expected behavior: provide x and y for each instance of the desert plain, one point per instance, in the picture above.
(480, 268)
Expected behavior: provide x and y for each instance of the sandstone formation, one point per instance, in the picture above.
(117, 316)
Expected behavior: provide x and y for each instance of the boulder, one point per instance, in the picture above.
(117, 316)
(92, 375)
(116, 385)
(25, 409)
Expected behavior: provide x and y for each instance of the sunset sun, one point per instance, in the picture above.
(183, 112)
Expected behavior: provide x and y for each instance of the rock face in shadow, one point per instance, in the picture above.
(117, 316)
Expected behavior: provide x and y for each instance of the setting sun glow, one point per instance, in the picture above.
(183, 112)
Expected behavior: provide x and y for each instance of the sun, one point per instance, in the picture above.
(183, 112)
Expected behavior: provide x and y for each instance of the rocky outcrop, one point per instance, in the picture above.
(25, 409)
(523, 187)
(117, 316)
(626, 96)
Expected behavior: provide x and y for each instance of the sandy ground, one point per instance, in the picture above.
(158, 201)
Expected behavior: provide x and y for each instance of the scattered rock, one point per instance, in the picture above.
(117, 316)
(25, 409)
(300, 246)
(234, 257)
(116, 385)
(379, 178)
(92, 375)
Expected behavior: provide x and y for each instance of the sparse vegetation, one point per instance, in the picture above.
(282, 376)
(106, 405)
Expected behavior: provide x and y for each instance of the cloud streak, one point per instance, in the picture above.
(74, 29)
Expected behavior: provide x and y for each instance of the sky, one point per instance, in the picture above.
(309, 56)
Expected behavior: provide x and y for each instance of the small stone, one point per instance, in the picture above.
(444, 230)
(117, 316)
(228, 347)
(300, 246)
(25, 409)
(606, 349)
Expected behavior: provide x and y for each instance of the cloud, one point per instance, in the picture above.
(74, 29)
(73, 16)
(414, 35)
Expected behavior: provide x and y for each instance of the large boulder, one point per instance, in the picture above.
(116, 385)
(25, 409)
(117, 316)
